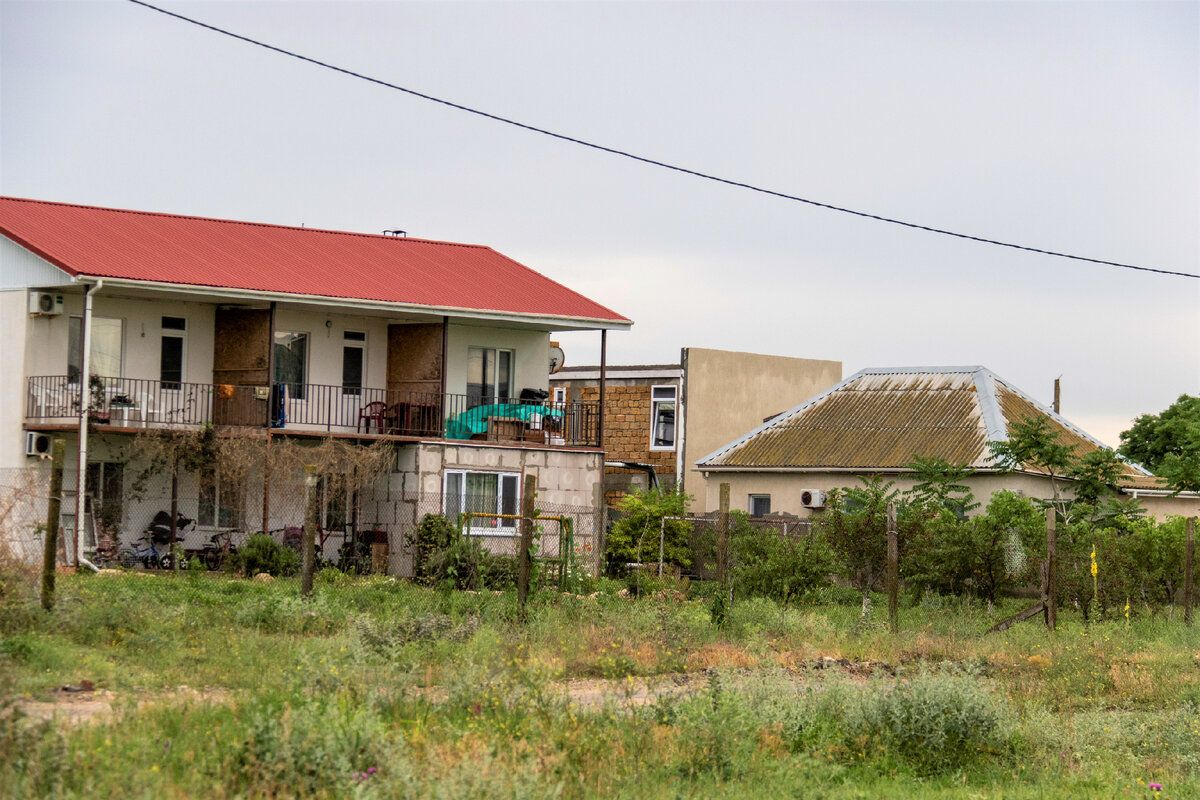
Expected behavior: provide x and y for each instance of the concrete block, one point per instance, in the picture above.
(430, 459)
(431, 484)
(511, 459)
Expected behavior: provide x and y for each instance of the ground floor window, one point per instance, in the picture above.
(493, 493)
(760, 505)
(105, 494)
(220, 502)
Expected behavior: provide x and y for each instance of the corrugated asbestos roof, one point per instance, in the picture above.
(879, 419)
(195, 251)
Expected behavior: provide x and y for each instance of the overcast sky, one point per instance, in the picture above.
(1064, 126)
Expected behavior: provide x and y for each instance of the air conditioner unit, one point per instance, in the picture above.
(812, 498)
(37, 444)
(45, 304)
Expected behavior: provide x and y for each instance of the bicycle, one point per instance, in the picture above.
(219, 547)
(148, 556)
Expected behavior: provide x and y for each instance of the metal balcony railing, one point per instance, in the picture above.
(312, 408)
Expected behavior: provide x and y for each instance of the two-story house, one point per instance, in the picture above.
(118, 322)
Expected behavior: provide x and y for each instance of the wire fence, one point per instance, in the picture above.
(195, 524)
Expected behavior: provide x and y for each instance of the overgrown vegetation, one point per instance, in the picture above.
(375, 688)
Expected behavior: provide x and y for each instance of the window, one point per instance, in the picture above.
(489, 376)
(170, 362)
(333, 502)
(220, 502)
(291, 362)
(107, 342)
(662, 417)
(760, 505)
(482, 493)
(354, 344)
(105, 493)
(560, 394)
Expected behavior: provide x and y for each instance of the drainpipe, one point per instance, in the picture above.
(603, 375)
(85, 395)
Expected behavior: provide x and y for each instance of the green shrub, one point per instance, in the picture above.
(264, 554)
(933, 724)
(634, 537)
(782, 568)
(431, 537)
(499, 572)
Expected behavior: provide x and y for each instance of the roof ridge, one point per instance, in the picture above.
(194, 217)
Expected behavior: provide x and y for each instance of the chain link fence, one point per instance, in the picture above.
(215, 527)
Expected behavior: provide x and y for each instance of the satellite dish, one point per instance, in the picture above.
(556, 358)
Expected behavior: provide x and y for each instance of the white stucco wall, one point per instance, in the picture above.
(14, 313)
(530, 350)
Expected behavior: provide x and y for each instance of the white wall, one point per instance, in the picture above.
(14, 312)
(325, 343)
(530, 349)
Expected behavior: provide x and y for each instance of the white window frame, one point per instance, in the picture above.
(654, 401)
(487, 526)
(361, 346)
(560, 394)
(173, 333)
(73, 319)
(230, 500)
(495, 355)
(750, 503)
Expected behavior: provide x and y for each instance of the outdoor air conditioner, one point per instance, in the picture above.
(45, 304)
(37, 444)
(812, 498)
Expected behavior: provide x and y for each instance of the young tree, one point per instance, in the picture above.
(855, 526)
(1168, 444)
(939, 485)
(634, 537)
(1032, 442)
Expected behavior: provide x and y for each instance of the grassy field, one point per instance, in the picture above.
(224, 688)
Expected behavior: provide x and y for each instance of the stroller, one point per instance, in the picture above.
(160, 527)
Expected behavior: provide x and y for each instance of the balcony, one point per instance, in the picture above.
(312, 409)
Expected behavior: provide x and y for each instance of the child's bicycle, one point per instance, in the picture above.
(217, 549)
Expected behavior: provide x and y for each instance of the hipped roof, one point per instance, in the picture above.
(878, 419)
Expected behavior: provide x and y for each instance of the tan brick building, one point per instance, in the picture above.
(671, 415)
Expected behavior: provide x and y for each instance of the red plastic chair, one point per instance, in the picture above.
(372, 411)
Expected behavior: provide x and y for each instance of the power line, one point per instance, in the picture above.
(651, 161)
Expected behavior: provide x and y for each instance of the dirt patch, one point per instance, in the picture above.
(75, 707)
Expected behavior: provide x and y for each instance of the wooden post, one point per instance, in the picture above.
(174, 513)
(53, 510)
(1189, 566)
(723, 535)
(1051, 583)
(524, 556)
(893, 570)
(603, 382)
(311, 514)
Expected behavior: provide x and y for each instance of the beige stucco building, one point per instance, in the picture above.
(877, 420)
(668, 415)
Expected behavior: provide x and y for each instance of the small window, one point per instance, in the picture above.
(170, 363)
(496, 494)
(354, 345)
(560, 394)
(662, 417)
(760, 505)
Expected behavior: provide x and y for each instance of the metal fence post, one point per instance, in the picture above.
(1189, 566)
(1051, 590)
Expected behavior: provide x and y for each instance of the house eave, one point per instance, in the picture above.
(549, 321)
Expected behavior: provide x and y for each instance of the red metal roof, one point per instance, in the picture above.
(196, 251)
